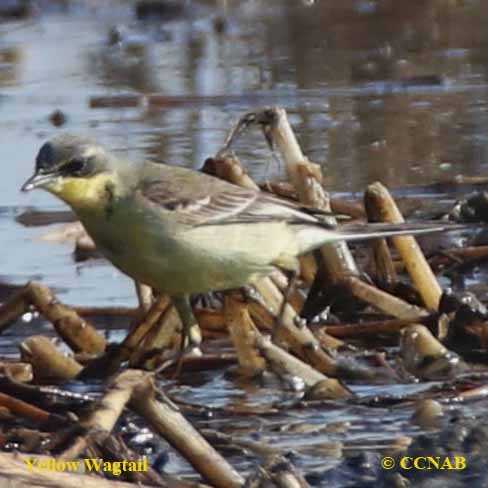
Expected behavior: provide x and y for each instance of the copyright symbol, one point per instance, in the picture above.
(387, 463)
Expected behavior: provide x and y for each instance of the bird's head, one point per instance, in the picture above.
(73, 168)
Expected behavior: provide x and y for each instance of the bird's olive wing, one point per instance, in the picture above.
(217, 204)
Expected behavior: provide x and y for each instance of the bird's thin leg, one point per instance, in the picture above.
(191, 335)
(144, 297)
(278, 319)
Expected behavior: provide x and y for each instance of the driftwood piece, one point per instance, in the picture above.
(78, 333)
(417, 266)
(165, 419)
(74, 232)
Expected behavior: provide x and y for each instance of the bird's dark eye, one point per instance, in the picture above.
(76, 167)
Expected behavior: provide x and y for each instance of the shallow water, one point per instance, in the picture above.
(396, 91)
(375, 90)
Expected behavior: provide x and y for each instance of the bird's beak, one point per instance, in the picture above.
(38, 180)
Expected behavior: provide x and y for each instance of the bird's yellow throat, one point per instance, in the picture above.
(85, 194)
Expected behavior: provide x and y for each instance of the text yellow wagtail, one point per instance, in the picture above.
(181, 231)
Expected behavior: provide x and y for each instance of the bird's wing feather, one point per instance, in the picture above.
(196, 199)
(199, 199)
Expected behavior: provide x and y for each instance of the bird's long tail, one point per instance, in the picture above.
(313, 236)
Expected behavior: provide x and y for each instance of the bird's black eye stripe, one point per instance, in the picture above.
(76, 167)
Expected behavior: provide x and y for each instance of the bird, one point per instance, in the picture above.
(184, 232)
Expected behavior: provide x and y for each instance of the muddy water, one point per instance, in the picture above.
(387, 90)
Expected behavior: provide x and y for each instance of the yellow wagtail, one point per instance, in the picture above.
(181, 231)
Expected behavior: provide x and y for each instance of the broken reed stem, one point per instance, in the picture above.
(300, 338)
(211, 320)
(20, 408)
(386, 273)
(371, 330)
(308, 268)
(228, 168)
(255, 352)
(417, 266)
(215, 321)
(142, 328)
(110, 362)
(109, 408)
(79, 334)
(306, 177)
(17, 371)
(286, 190)
(162, 337)
(284, 364)
(385, 268)
(277, 472)
(168, 422)
(387, 303)
(424, 356)
(48, 363)
(243, 333)
(123, 312)
(13, 308)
